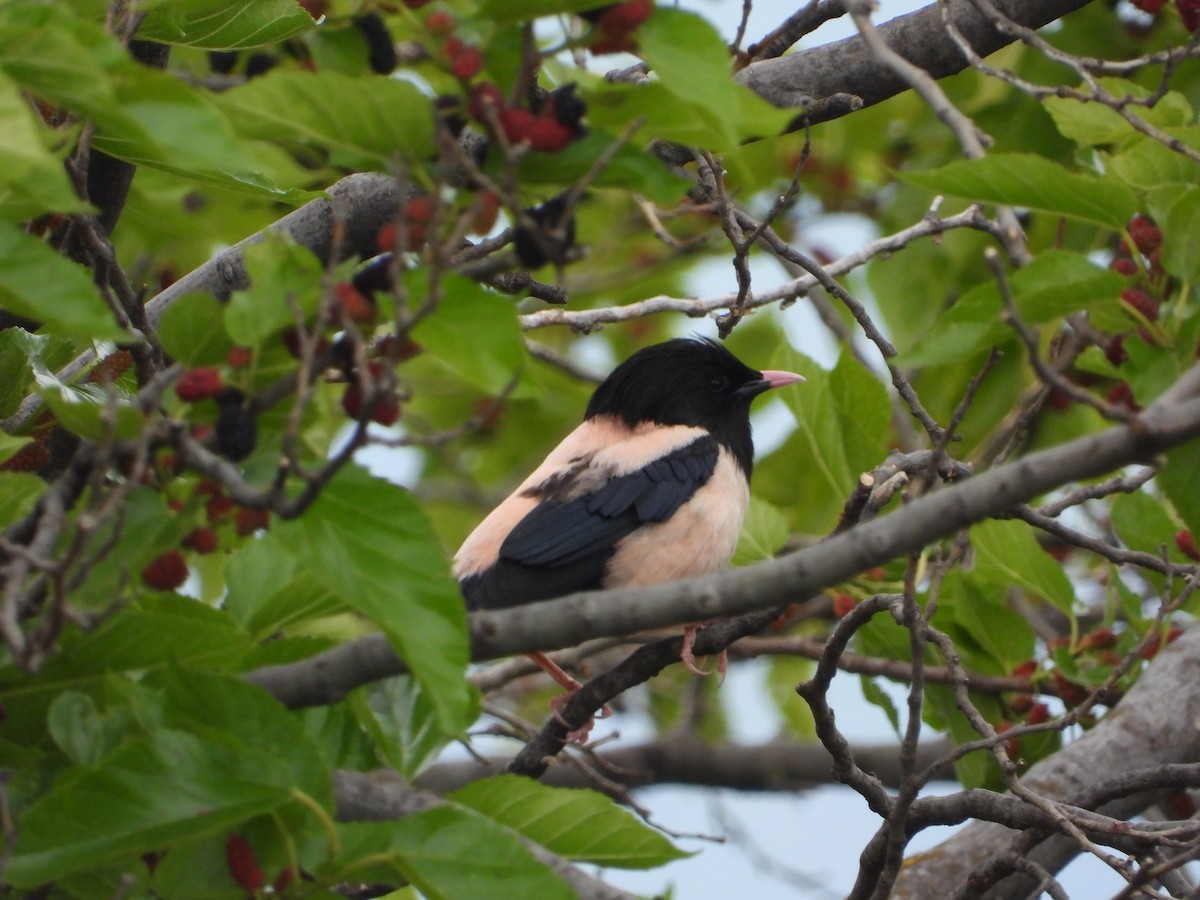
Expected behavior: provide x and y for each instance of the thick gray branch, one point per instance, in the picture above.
(782, 765)
(361, 203)
(571, 620)
(1154, 724)
(847, 67)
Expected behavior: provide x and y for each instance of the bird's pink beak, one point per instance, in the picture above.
(778, 378)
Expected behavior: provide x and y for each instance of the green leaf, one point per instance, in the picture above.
(33, 180)
(192, 333)
(1143, 523)
(144, 638)
(264, 594)
(1087, 123)
(285, 278)
(812, 405)
(664, 116)
(227, 710)
(990, 636)
(220, 25)
(362, 122)
(337, 733)
(1008, 554)
(147, 528)
(685, 51)
(89, 411)
(11, 445)
(978, 769)
(1127, 600)
(439, 851)
(1147, 163)
(76, 726)
(95, 411)
(38, 283)
(199, 870)
(1058, 282)
(296, 606)
(475, 333)
(843, 419)
(1150, 369)
(1180, 481)
(85, 734)
(1054, 284)
(579, 825)
(369, 542)
(146, 795)
(881, 699)
(448, 853)
(1181, 230)
(783, 674)
(159, 121)
(18, 351)
(19, 492)
(1022, 179)
(863, 413)
(62, 59)
(401, 719)
(1092, 124)
(763, 533)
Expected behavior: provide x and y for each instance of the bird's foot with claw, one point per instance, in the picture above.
(688, 657)
(577, 736)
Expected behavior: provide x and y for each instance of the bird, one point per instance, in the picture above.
(653, 486)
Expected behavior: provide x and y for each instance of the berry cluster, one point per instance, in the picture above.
(169, 570)
(1189, 10)
(383, 407)
(30, 458)
(365, 398)
(463, 60)
(1187, 545)
(613, 26)
(1099, 649)
(416, 218)
(111, 367)
(201, 383)
(547, 235)
(1189, 13)
(236, 426)
(1138, 258)
(553, 120)
(245, 869)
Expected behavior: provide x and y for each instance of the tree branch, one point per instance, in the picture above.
(1154, 725)
(848, 66)
(568, 621)
(779, 765)
(356, 208)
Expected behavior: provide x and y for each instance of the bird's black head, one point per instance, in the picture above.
(688, 382)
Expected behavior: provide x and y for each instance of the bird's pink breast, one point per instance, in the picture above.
(698, 539)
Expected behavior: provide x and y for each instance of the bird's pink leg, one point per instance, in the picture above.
(688, 657)
(572, 687)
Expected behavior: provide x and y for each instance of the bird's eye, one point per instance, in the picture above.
(718, 383)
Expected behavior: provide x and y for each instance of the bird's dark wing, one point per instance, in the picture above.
(563, 543)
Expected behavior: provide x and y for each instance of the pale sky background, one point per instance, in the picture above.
(802, 846)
